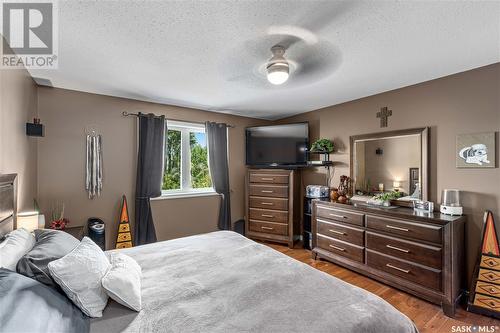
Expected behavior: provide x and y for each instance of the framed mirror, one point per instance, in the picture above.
(391, 161)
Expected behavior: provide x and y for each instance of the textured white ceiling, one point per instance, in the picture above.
(210, 54)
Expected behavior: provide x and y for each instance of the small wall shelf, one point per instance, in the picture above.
(33, 129)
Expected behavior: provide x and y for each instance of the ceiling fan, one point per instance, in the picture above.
(278, 57)
(292, 54)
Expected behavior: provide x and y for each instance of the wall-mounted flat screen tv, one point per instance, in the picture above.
(277, 145)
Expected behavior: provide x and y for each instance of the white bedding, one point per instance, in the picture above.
(224, 282)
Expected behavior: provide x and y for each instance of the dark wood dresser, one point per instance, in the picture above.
(273, 205)
(420, 253)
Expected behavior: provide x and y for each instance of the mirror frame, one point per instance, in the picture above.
(424, 154)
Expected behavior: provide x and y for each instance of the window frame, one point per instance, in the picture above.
(186, 127)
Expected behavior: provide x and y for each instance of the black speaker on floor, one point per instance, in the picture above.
(239, 227)
(96, 230)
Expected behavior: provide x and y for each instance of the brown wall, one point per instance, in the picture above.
(69, 114)
(18, 152)
(468, 102)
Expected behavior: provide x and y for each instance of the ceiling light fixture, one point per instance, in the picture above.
(277, 68)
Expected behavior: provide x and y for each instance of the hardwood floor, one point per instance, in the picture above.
(427, 316)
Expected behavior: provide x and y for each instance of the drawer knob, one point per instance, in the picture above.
(267, 215)
(267, 178)
(267, 203)
(337, 232)
(492, 290)
(266, 228)
(336, 247)
(339, 216)
(397, 228)
(398, 269)
(397, 248)
(267, 191)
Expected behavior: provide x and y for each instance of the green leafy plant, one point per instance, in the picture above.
(322, 145)
(388, 196)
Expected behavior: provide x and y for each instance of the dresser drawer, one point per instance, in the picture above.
(268, 227)
(489, 289)
(269, 203)
(260, 177)
(430, 233)
(488, 275)
(420, 254)
(277, 191)
(490, 262)
(268, 215)
(341, 232)
(340, 248)
(339, 215)
(487, 302)
(429, 278)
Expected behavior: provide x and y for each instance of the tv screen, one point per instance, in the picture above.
(280, 145)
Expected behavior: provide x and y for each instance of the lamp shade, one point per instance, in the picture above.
(27, 220)
(396, 184)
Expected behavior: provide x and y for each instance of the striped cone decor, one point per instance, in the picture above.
(124, 237)
(484, 294)
(490, 241)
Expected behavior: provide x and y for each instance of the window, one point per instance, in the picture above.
(186, 160)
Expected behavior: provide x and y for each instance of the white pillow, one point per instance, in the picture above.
(16, 244)
(79, 273)
(123, 281)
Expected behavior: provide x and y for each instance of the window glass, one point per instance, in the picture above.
(200, 175)
(186, 159)
(172, 176)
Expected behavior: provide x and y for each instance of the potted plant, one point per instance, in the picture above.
(322, 146)
(59, 222)
(384, 199)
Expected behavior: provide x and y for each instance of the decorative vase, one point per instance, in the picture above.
(334, 195)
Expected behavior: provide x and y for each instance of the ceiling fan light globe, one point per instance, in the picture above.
(277, 77)
(277, 73)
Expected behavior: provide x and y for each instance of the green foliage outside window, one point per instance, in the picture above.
(172, 176)
(200, 176)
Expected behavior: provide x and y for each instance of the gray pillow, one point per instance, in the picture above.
(50, 245)
(29, 306)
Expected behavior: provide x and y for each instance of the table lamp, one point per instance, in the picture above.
(27, 220)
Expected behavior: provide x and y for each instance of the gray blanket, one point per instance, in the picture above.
(224, 282)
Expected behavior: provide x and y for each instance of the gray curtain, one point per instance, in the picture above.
(219, 169)
(150, 161)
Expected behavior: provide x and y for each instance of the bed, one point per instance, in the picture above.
(224, 282)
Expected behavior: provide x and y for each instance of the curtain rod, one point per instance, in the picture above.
(126, 114)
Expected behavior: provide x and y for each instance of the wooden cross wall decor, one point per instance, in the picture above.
(384, 114)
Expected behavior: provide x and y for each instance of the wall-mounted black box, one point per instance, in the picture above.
(34, 129)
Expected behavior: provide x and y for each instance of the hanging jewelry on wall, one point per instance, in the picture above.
(93, 165)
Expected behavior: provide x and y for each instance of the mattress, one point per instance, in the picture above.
(224, 282)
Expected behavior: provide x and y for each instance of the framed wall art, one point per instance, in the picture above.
(476, 150)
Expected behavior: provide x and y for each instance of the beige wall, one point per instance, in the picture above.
(18, 152)
(68, 114)
(467, 102)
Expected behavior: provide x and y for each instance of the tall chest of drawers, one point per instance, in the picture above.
(272, 209)
(422, 254)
